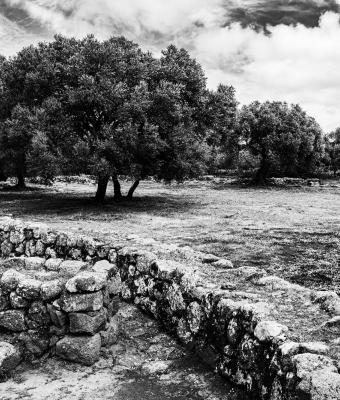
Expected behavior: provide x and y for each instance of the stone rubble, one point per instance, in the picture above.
(73, 314)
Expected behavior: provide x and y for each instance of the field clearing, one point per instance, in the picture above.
(290, 232)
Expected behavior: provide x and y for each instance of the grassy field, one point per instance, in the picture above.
(292, 232)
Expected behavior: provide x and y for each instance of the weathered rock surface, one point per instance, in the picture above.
(34, 263)
(307, 363)
(51, 289)
(84, 350)
(9, 358)
(36, 342)
(18, 301)
(223, 263)
(321, 385)
(13, 320)
(29, 288)
(82, 302)
(86, 282)
(268, 330)
(111, 334)
(233, 329)
(53, 264)
(88, 323)
(71, 268)
(10, 280)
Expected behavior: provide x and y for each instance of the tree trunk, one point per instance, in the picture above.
(21, 180)
(262, 173)
(116, 188)
(132, 189)
(21, 170)
(101, 188)
(3, 176)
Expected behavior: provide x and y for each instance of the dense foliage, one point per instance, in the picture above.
(110, 109)
(283, 138)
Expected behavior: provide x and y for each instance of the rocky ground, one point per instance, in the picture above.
(145, 364)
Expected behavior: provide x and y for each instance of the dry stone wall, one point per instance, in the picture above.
(56, 306)
(239, 339)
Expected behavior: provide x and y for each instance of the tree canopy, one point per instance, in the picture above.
(285, 140)
(105, 108)
(108, 108)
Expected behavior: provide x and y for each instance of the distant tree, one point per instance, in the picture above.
(286, 140)
(3, 174)
(27, 80)
(220, 116)
(332, 150)
(178, 99)
(16, 133)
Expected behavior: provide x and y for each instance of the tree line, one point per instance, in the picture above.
(108, 108)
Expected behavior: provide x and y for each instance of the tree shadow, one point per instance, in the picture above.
(49, 203)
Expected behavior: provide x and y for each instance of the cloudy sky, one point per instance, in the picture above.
(268, 49)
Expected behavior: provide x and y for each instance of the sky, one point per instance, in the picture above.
(285, 50)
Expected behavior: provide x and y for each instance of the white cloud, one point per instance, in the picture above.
(12, 37)
(296, 64)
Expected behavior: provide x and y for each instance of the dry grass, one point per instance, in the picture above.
(291, 232)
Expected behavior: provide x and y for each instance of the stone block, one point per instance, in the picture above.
(51, 289)
(80, 349)
(13, 320)
(58, 317)
(38, 316)
(110, 335)
(48, 238)
(105, 267)
(82, 302)
(267, 331)
(175, 298)
(13, 262)
(71, 267)
(9, 358)
(144, 261)
(88, 323)
(4, 301)
(223, 263)
(36, 342)
(17, 301)
(114, 285)
(53, 264)
(29, 288)
(314, 347)
(10, 280)
(112, 256)
(30, 248)
(307, 363)
(209, 258)
(16, 237)
(39, 248)
(34, 263)
(6, 248)
(86, 282)
(320, 385)
(195, 317)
